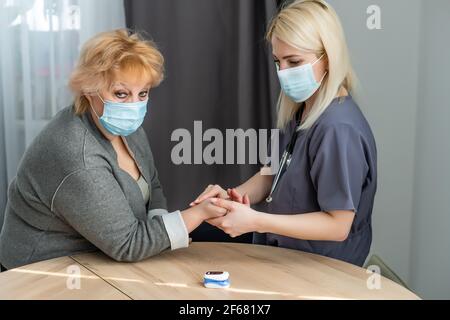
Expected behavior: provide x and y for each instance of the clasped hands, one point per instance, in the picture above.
(227, 210)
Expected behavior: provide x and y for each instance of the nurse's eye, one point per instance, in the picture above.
(121, 94)
(295, 63)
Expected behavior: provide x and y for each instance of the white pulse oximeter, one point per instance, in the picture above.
(216, 279)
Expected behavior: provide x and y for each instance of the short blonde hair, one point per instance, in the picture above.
(313, 27)
(109, 53)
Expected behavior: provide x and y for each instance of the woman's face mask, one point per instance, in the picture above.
(122, 119)
(299, 83)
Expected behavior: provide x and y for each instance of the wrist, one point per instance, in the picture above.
(240, 190)
(260, 222)
(198, 214)
(192, 218)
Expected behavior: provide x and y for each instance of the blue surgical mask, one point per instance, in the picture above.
(299, 83)
(122, 119)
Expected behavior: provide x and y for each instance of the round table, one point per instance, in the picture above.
(256, 273)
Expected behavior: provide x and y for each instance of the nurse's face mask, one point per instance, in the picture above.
(122, 119)
(299, 83)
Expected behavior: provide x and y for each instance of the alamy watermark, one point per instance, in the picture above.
(73, 281)
(374, 17)
(236, 146)
(374, 280)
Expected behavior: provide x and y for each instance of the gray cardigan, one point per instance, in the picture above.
(70, 196)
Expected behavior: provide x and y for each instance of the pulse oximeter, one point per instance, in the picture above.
(216, 279)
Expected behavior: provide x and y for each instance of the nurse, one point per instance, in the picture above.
(321, 199)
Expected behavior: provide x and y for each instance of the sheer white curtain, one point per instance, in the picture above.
(39, 44)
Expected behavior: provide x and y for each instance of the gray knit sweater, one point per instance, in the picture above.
(70, 196)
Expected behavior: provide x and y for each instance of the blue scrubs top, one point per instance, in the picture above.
(333, 167)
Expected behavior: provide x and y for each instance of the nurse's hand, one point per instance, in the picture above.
(235, 196)
(239, 220)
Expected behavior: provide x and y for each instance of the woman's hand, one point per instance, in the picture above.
(209, 210)
(216, 191)
(240, 218)
(196, 215)
(212, 191)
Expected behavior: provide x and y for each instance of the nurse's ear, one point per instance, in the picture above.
(326, 64)
(321, 67)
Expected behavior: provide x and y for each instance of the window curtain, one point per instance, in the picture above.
(40, 44)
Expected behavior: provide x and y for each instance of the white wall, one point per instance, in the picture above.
(387, 63)
(430, 258)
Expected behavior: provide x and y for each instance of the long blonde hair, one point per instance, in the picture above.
(313, 26)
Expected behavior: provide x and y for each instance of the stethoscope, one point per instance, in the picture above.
(286, 158)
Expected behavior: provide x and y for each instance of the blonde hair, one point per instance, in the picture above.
(313, 27)
(109, 53)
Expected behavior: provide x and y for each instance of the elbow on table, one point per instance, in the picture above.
(125, 258)
(130, 257)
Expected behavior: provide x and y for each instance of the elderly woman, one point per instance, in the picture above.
(88, 181)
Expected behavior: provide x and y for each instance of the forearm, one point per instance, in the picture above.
(257, 187)
(321, 226)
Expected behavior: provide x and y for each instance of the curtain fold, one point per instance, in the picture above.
(219, 71)
(40, 43)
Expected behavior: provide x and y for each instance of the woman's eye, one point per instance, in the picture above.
(294, 63)
(143, 94)
(121, 95)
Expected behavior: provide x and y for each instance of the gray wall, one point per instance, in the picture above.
(430, 255)
(405, 96)
(3, 174)
(386, 62)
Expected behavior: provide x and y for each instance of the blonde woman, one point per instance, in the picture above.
(88, 181)
(321, 200)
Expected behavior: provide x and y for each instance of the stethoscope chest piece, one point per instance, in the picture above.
(288, 161)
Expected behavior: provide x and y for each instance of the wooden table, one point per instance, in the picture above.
(256, 272)
(54, 279)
